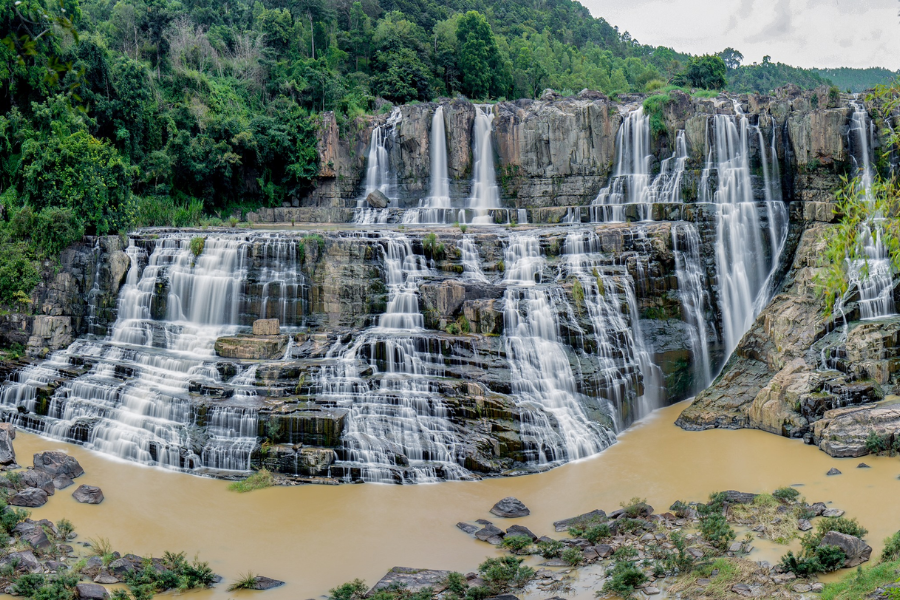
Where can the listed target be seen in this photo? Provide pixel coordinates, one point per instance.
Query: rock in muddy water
(266, 327)
(7, 452)
(734, 497)
(818, 508)
(412, 580)
(265, 583)
(520, 530)
(510, 508)
(488, 532)
(856, 550)
(595, 516)
(29, 498)
(58, 463)
(37, 539)
(833, 512)
(804, 525)
(863, 466)
(651, 591)
(377, 199)
(105, 578)
(91, 591)
(833, 471)
(39, 479)
(467, 527)
(88, 494)
(61, 482)
(10, 429)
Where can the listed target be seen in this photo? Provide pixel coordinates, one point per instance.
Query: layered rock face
(76, 297)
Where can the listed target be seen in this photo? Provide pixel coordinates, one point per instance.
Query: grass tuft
(259, 480)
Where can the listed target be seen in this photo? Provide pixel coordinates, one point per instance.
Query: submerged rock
(510, 508)
(863, 466)
(265, 583)
(29, 498)
(833, 471)
(467, 527)
(521, 530)
(88, 494)
(58, 463)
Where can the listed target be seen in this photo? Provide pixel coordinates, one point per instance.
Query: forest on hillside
(119, 113)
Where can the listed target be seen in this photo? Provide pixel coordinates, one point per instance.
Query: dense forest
(166, 112)
(858, 80)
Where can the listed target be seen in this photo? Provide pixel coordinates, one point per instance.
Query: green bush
(839, 524)
(550, 549)
(573, 556)
(500, 574)
(786, 494)
(197, 245)
(623, 579)
(353, 590)
(259, 480)
(891, 549)
(516, 543)
(876, 444)
(822, 559)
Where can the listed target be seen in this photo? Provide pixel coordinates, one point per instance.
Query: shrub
(28, 584)
(596, 533)
(259, 480)
(550, 549)
(244, 582)
(623, 579)
(65, 528)
(876, 444)
(463, 323)
(891, 548)
(516, 543)
(457, 585)
(573, 556)
(197, 245)
(179, 574)
(577, 291)
(500, 574)
(680, 509)
(823, 559)
(716, 530)
(353, 590)
(786, 494)
(100, 546)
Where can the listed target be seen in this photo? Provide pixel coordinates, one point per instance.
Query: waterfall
(624, 362)
(403, 272)
(745, 256)
(379, 175)
(631, 180)
(873, 275)
(554, 425)
(694, 299)
(439, 197)
(134, 400)
(471, 260)
(485, 193)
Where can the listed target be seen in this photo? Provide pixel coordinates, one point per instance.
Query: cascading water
(624, 362)
(134, 398)
(554, 425)
(694, 299)
(379, 175)
(631, 180)
(873, 275)
(746, 255)
(471, 260)
(436, 206)
(485, 193)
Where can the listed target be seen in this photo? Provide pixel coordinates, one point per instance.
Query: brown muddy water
(317, 537)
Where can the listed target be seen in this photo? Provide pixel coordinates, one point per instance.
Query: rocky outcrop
(78, 295)
(251, 347)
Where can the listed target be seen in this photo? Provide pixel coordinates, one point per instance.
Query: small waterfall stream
(694, 299)
(485, 193)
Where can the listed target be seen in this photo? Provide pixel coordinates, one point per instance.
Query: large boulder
(88, 494)
(595, 516)
(29, 498)
(265, 583)
(39, 479)
(510, 508)
(22, 561)
(248, 347)
(91, 591)
(58, 463)
(266, 327)
(412, 580)
(377, 199)
(36, 538)
(856, 550)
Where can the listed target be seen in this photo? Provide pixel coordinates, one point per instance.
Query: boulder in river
(29, 498)
(265, 583)
(467, 527)
(61, 482)
(856, 550)
(22, 561)
(489, 532)
(91, 591)
(88, 494)
(520, 530)
(833, 471)
(595, 516)
(58, 463)
(36, 538)
(7, 452)
(39, 479)
(377, 199)
(412, 580)
(510, 508)
(833, 512)
(863, 466)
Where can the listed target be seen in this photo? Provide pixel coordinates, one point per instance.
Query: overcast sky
(804, 33)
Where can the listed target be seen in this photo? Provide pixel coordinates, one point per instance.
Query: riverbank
(317, 537)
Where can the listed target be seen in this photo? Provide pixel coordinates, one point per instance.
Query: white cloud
(805, 33)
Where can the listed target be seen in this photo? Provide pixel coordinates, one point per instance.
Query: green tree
(707, 72)
(478, 57)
